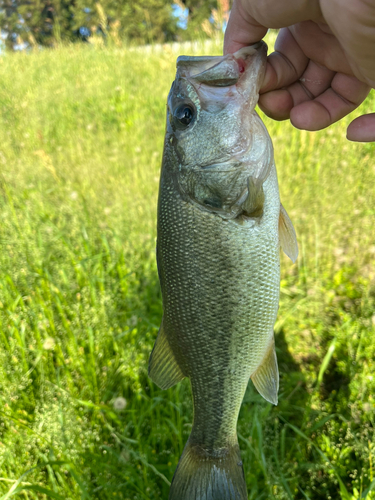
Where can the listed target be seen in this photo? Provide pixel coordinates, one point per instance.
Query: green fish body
(220, 226)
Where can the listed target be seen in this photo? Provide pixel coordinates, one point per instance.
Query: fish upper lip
(258, 45)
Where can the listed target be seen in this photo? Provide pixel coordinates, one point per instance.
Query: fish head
(210, 103)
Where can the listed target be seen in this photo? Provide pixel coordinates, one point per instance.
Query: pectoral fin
(253, 204)
(266, 377)
(287, 235)
(163, 368)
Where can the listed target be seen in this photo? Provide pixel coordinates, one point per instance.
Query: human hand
(323, 66)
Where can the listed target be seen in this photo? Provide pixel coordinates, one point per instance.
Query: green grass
(81, 141)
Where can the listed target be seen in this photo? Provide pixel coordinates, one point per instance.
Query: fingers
(276, 104)
(295, 47)
(298, 87)
(314, 81)
(316, 104)
(362, 129)
(321, 46)
(320, 71)
(344, 95)
(312, 95)
(286, 64)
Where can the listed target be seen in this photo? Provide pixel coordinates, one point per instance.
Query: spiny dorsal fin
(163, 368)
(287, 235)
(253, 205)
(266, 377)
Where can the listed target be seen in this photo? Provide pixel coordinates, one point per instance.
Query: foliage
(145, 21)
(82, 136)
(43, 22)
(198, 14)
(40, 22)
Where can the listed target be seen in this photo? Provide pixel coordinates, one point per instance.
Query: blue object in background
(182, 15)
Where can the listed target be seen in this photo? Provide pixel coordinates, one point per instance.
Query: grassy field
(81, 141)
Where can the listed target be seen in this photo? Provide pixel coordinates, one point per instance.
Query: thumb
(242, 29)
(250, 19)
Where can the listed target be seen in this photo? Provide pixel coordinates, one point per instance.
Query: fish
(219, 230)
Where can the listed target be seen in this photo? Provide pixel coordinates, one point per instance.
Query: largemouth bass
(220, 227)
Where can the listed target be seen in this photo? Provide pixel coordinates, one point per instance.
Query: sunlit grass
(81, 142)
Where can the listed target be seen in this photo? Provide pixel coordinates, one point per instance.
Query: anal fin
(163, 368)
(287, 235)
(266, 377)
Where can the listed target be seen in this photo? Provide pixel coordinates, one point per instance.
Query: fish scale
(220, 223)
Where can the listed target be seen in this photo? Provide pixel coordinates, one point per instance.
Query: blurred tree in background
(36, 22)
(144, 21)
(204, 17)
(27, 23)
(197, 12)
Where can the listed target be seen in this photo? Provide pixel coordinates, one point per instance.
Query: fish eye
(183, 115)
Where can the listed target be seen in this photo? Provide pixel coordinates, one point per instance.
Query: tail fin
(203, 476)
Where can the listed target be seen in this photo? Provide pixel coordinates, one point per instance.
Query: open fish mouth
(217, 81)
(221, 71)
